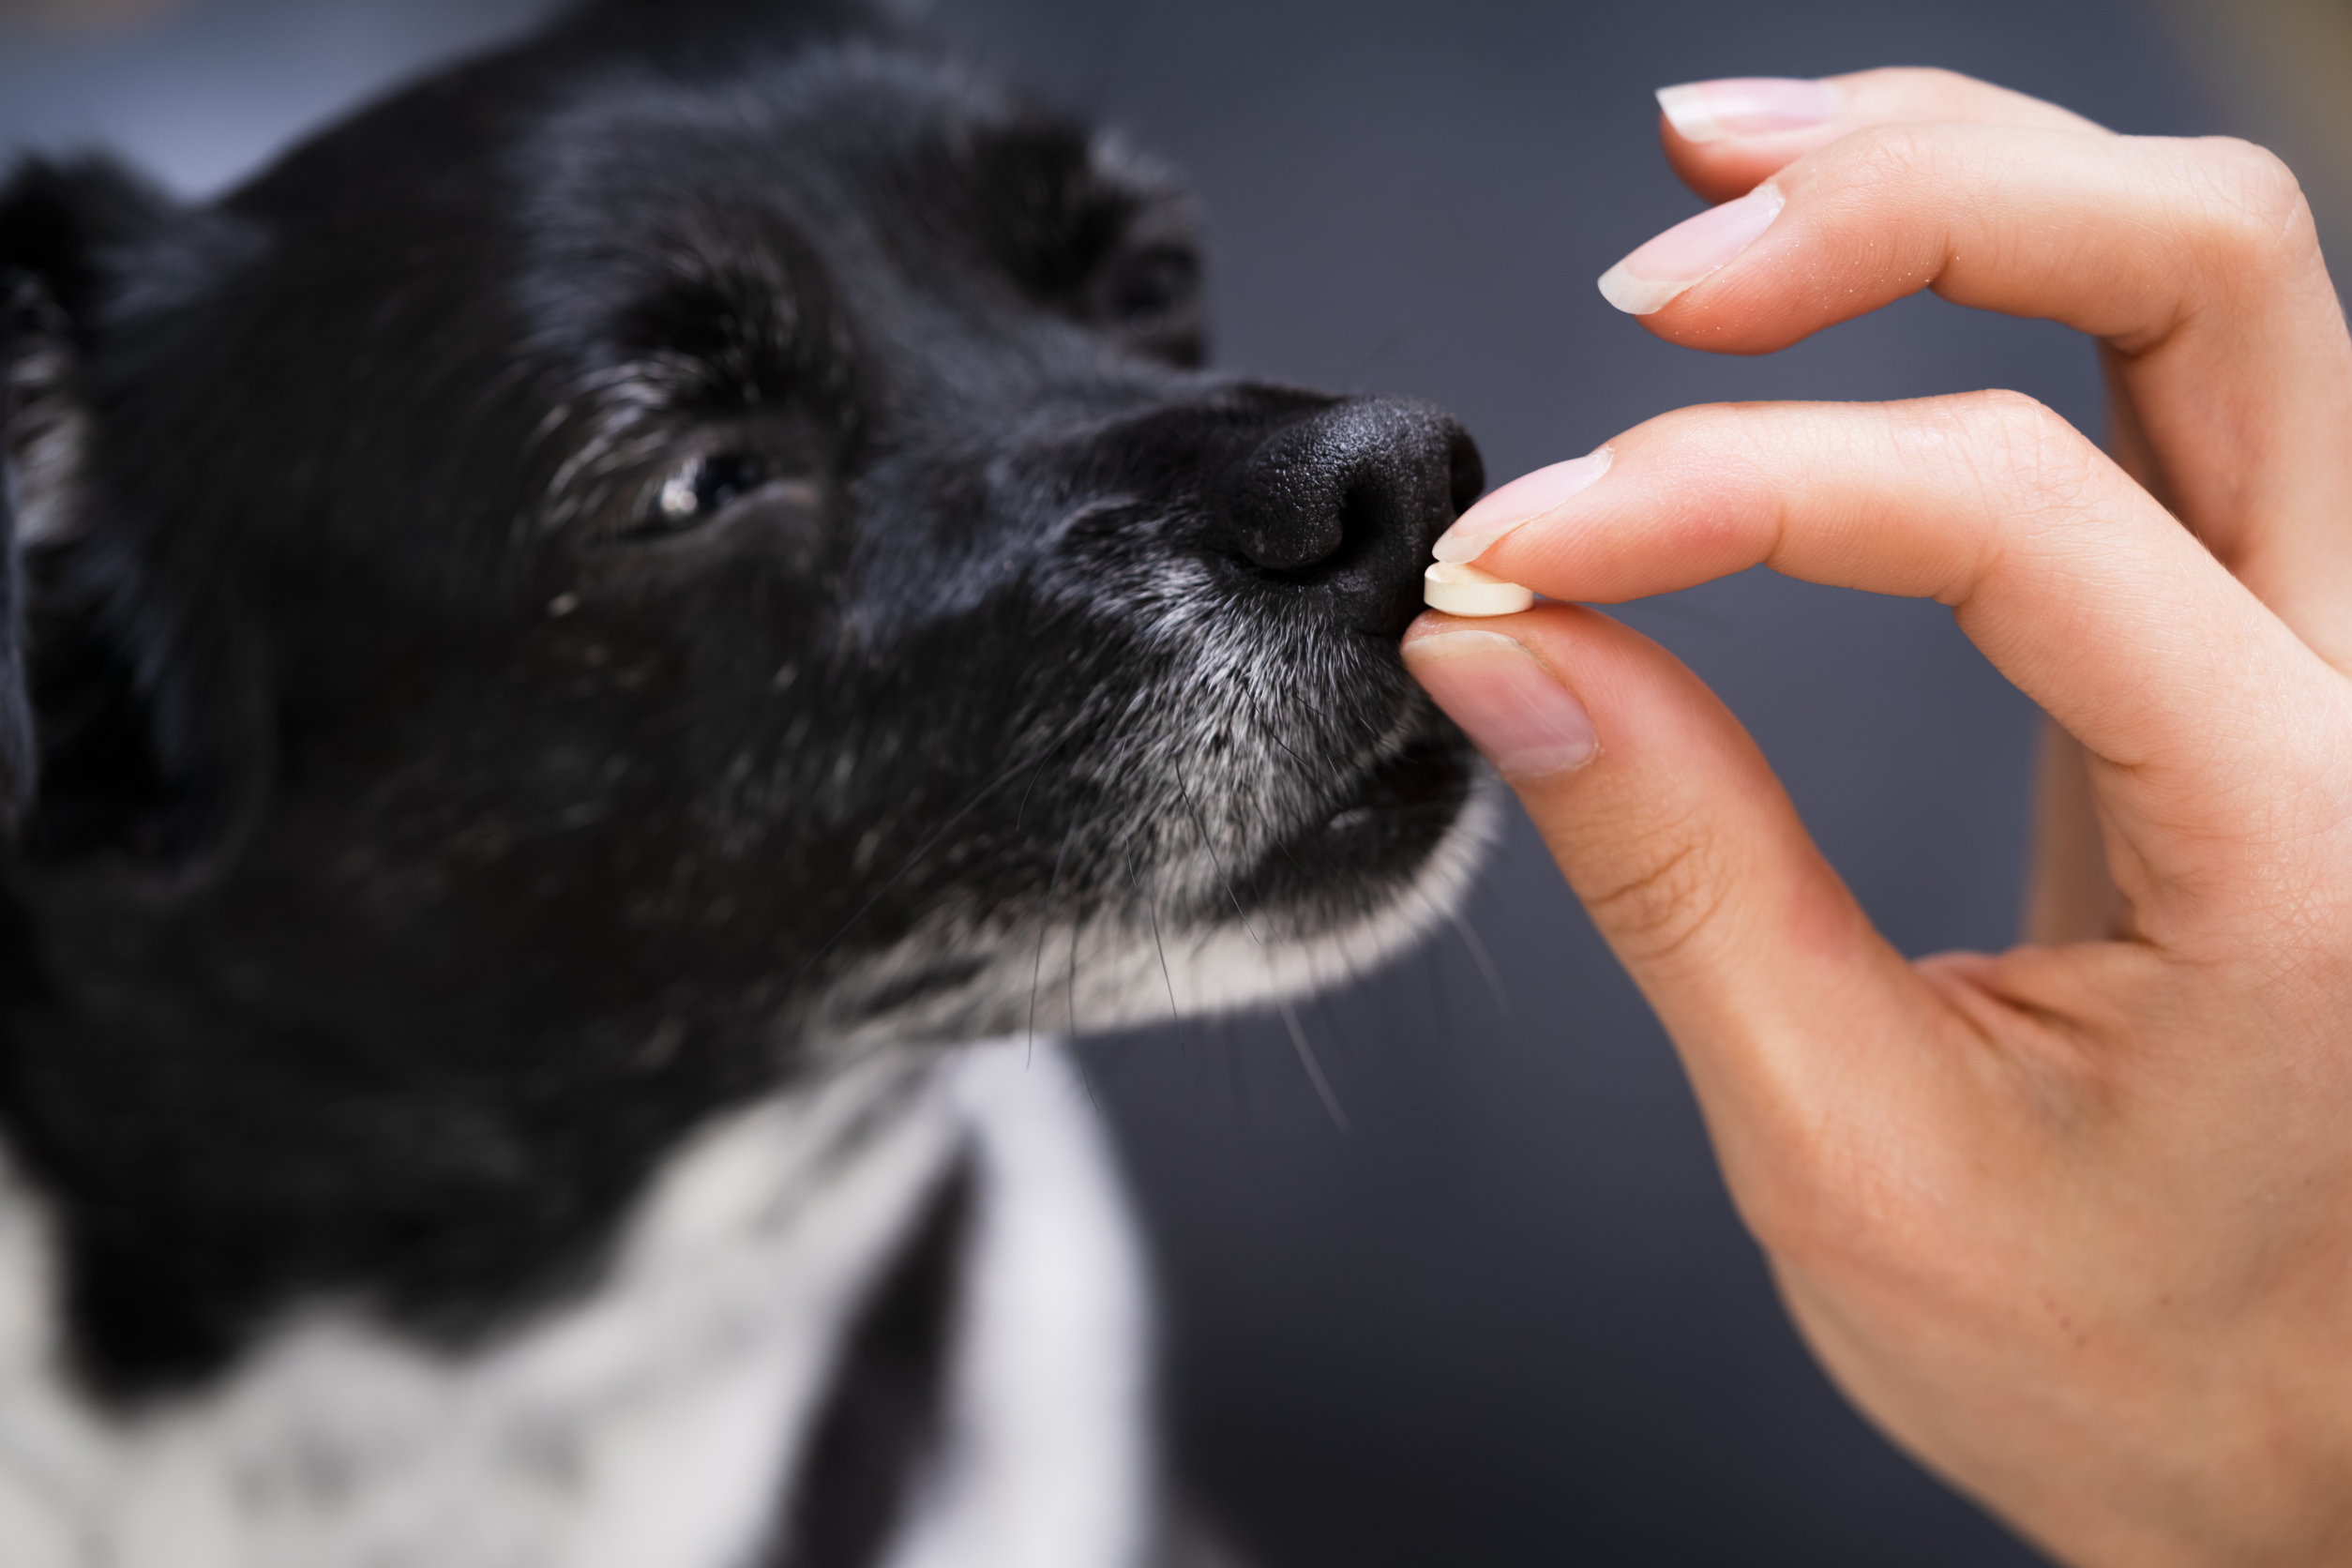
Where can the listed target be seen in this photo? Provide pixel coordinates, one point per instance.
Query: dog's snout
(1350, 500)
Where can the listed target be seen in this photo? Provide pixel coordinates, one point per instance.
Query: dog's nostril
(1358, 482)
(1296, 531)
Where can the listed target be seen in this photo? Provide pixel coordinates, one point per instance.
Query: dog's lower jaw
(1039, 971)
(657, 1420)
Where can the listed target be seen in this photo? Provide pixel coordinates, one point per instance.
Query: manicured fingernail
(1508, 703)
(1747, 106)
(1517, 504)
(1689, 252)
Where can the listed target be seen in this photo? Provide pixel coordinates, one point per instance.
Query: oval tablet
(1464, 590)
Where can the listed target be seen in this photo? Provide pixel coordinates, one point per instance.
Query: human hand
(2074, 1222)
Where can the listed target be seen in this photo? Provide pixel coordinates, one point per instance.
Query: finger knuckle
(2029, 458)
(2247, 202)
(1886, 159)
(2015, 417)
(1671, 887)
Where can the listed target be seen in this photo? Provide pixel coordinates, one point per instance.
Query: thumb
(1688, 855)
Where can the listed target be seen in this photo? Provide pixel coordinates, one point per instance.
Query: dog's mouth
(1428, 774)
(1379, 829)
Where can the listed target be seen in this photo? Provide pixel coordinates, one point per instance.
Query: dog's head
(710, 498)
(697, 544)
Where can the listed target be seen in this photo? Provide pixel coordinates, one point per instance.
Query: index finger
(2075, 583)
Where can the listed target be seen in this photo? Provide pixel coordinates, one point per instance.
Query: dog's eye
(700, 491)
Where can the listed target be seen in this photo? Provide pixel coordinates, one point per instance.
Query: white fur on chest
(655, 1422)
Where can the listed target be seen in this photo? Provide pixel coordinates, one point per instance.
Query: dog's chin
(1337, 896)
(1354, 858)
(1343, 893)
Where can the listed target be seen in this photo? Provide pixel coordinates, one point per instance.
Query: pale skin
(2071, 1223)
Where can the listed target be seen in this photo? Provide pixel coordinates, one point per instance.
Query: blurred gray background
(1510, 1319)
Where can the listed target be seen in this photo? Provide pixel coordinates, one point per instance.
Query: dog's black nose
(1349, 499)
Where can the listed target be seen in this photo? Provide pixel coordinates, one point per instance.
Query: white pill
(1464, 590)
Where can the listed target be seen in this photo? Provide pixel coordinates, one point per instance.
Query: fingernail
(1747, 106)
(1689, 252)
(1517, 504)
(1509, 704)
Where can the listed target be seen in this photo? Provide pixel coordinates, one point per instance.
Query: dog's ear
(99, 702)
(25, 316)
(57, 221)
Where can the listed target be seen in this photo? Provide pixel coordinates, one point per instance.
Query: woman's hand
(2072, 1223)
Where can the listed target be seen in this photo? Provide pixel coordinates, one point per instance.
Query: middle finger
(2195, 261)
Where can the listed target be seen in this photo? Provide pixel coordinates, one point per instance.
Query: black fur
(439, 824)
(22, 305)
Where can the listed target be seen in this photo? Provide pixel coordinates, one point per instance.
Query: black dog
(563, 644)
